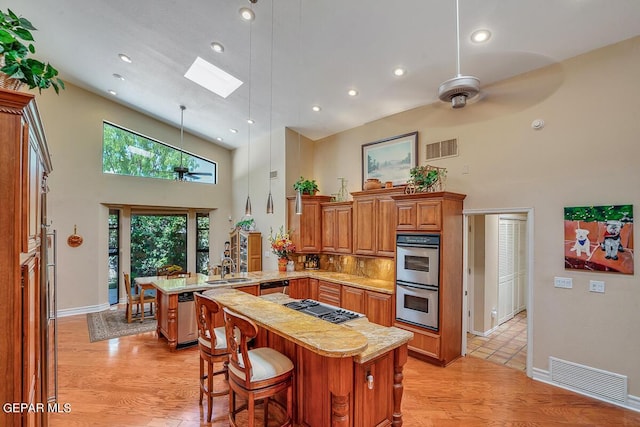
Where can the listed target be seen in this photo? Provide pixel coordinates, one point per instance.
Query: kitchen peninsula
(347, 375)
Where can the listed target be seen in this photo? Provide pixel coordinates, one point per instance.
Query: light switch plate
(563, 282)
(596, 286)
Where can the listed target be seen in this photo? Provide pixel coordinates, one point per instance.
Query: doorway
(497, 287)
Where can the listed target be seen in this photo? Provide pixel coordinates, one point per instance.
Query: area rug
(109, 324)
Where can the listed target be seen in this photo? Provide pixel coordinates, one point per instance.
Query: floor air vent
(588, 380)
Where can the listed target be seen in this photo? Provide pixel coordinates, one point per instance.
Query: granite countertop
(200, 281)
(358, 338)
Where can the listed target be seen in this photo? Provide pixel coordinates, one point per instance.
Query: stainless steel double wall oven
(417, 279)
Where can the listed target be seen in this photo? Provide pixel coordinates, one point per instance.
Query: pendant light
(247, 206)
(270, 198)
(298, 203)
(181, 170)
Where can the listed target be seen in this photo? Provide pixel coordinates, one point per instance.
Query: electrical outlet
(563, 282)
(596, 286)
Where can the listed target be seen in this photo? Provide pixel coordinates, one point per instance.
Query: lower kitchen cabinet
(377, 306)
(374, 383)
(299, 288)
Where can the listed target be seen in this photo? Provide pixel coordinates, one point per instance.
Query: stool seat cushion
(266, 363)
(221, 339)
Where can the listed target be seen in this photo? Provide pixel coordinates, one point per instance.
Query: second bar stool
(212, 343)
(256, 374)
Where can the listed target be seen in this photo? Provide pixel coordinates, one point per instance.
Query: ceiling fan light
(461, 88)
(458, 101)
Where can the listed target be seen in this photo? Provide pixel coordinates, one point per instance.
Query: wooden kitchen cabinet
(306, 229)
(337, 227)
(246, 250)
(299, 288)
(438, 213)
(377, 306)
(374, 222)
(25, 298)
(329, 293)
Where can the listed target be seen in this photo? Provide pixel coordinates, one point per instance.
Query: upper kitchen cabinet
(425, 211)
(306, 229)
(374, 222)
(337, 227)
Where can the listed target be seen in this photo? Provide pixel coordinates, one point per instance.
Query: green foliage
(17, 63)
(306, 186)
(119, 157)
(246, 223)
(157, 240)
(423, 177)
(622, 213)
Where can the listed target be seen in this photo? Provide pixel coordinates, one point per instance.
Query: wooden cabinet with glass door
(246, 250)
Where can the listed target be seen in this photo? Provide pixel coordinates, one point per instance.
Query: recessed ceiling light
(217, 47)
(232, 130)
(250, 121)
(352, 92)
(316, 108)
(220, 139)
(247, 14)
(118, 76)
(125, 58)
(212, 78)
(112, 92)
(399, 71)
(480, 36)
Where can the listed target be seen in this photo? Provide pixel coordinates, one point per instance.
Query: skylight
(212, 78)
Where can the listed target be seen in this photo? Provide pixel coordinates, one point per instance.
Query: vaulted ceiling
(308, 53)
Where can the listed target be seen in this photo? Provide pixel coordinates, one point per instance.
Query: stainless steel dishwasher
(187, 326)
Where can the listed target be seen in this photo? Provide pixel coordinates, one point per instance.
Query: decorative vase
(282, 264)
(372, 184)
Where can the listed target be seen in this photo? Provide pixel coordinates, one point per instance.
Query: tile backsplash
(374, 268)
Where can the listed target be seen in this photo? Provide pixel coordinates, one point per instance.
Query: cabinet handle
(370, 381)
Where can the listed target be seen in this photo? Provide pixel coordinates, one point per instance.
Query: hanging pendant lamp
(270, 198)
(247, 205)
(298, 203)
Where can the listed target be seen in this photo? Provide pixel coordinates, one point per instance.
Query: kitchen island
(346, 375)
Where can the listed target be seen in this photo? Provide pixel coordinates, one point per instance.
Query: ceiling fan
(181, 170)
(460, 88)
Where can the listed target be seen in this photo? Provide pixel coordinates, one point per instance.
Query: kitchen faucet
(227, 261)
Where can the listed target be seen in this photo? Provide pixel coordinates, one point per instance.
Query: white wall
(587, 154)
(80, 191)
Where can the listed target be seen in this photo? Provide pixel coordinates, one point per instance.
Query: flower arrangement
(281, 244)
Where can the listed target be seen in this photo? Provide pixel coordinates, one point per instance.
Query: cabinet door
(255, 252)
(343, 241)
(374, 387)
(429, 215)
(386, 226)
(379, 308)
(299, 288)
(406, 216)
(364, 218)
(353, 299)
(31, 334)
(329, 228)
(314, 284)
(251, 289)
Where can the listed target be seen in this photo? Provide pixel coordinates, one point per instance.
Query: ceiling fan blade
(200, 173)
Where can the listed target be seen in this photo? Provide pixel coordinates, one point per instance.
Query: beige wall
(587, 154)
(80, 191)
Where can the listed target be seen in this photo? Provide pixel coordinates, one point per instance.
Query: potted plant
(425, 178)
(306, 186)
(247, 224)
(14, 56)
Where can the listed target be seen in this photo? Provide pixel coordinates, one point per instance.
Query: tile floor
(507, 345)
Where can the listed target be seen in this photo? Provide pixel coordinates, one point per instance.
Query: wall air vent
(587, 380)
(442, 149)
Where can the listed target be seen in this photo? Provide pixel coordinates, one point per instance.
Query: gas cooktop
(323, 311)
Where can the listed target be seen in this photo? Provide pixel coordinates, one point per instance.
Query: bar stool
(256, 374)
(212, 343)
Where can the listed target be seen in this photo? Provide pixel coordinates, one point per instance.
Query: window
(157, 240)
(128, 153)
(114, 254)
(202, 243)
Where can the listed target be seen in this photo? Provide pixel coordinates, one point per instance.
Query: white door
(507, 274)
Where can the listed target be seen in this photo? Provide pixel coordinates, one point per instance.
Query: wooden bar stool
(212, 344)
(256, 374)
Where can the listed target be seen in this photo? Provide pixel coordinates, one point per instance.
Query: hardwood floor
(136, 381)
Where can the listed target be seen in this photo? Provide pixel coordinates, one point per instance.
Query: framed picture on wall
(390, 159)
(599, 238)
